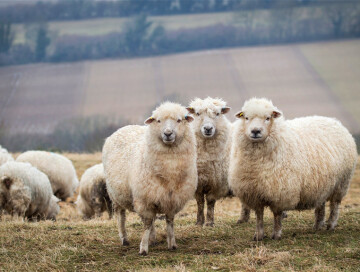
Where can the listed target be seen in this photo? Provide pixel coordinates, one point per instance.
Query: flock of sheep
(182, 153)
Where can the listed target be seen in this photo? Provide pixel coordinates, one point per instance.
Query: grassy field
(301, 79)
(103, 26)
(71, 244)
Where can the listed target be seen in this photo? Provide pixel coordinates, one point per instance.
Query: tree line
(141, 37)
(88, 9)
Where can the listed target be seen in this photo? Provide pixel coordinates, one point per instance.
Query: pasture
(302, 79)
(71, 244)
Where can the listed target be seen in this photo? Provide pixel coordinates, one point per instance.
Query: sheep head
(258, 117)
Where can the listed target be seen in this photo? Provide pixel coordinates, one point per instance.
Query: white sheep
(5, 156)
(93, 198)
(213, 137)
(152, 170)
(290, 165)
(26, 192)
(58, 168)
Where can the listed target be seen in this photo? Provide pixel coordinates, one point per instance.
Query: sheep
(25, 192)
(58, 168)
(213, 137)
(5, 156)
(152, 170)
(290, 164)
(93, 198)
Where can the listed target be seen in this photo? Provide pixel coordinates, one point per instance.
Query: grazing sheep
(5, 156)
(26, 192)
(213, 137)
(93, 198)
(58, 168)
(290, 165)
(152, 170)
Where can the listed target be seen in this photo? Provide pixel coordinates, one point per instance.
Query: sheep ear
(7, 182)
(191, 110)
(225, 110)
(276, 114)
(239, 114)
(149, 120)
(189, 118)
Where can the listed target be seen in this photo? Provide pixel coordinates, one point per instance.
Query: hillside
(301, 79)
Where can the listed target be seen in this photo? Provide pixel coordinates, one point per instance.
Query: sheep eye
(179, 120)
(197, 114)
(246, 118)
(158, 121)
(217, 114)
(268, 119)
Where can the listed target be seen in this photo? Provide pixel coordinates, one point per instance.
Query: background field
(101, 26)
(301, 79)
(71, 244)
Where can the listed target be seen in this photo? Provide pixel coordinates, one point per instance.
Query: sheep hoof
(241, 221)
(143, 253)
(330, 226)
(125, 243)
(198, 223)
(173, 247)
(319, 226)
(258, 238)
(209, 224)
(276, 237)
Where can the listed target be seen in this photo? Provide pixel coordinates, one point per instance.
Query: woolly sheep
(26, 192)
(213, 137)
(93, 198)
(5, 156)
(290, 165)
(152, 170)
(58, 168)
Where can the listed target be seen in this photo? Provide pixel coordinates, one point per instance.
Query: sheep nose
(255, 131)
(168, 133)
(208, 129)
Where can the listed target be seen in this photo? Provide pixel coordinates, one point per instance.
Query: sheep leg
(245, 214)
(144, 245)
(200, 213)
(278, 216)
(334, 214)
(259, 235)
(109, 209)
(170, 232)
(210, 213)
(319, 217)
(153, 234)
(121, 219)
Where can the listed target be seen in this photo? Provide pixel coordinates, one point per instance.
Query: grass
(101, 26)
(71, 244)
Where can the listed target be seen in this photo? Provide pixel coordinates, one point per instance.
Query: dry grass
(71, 244)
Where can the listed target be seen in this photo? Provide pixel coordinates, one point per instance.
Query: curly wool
(303, 162)
(143, 174)
(29, 193)
(5, 156)
(93, 198)
(58, 168)
(212, 154)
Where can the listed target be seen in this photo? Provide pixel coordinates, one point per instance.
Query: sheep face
(169, 123)
(258, 117)
(209, 114)
(5, 183)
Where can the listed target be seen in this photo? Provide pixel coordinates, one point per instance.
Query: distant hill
(301, 79)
